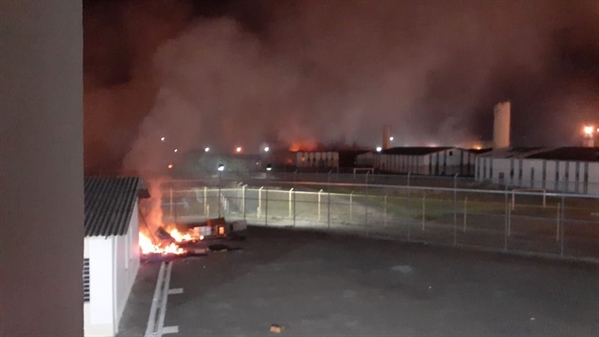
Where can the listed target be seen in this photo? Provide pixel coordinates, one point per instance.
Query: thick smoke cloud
(330, 71)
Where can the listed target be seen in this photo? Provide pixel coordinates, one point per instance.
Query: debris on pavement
(276, 328)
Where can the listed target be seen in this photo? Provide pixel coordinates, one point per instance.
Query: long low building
(570, 169)
(422, 160)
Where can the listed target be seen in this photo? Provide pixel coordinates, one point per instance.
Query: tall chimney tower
(386, 138)
(501, 125)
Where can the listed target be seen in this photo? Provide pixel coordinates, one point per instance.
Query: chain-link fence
(508, 219)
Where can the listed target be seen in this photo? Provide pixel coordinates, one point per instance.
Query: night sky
(246, 73)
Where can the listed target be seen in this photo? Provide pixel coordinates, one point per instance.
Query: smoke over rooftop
(233, 73)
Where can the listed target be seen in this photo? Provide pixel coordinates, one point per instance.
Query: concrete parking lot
(317, 284)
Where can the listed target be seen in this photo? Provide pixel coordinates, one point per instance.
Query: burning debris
(176, 240)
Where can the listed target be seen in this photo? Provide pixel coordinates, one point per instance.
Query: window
(85, 280)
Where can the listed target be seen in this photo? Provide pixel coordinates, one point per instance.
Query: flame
(180, 237)
(147, 247)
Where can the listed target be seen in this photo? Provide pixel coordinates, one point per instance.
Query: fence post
(329, 201)
(319, 192)
(266, 208)
(513, 206)
(206, 201)
(544, 198)
(294, 211)
(366, 202)
(455, 209)
(350, 206)
(423, 211)
(208, 211)
(385, 212)
(562, 214)
(243, 200)
(171, 203)
(290, 194)
(506, 206)
(557, 222)
(259, 209)
(465, 213)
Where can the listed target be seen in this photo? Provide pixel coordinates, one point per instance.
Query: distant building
(111, 250)
(327, 159)
(571, 169)
(422, 160)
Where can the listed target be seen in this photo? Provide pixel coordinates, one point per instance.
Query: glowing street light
(379, 149)
(266, 149)
(221, 167)
(162, 139)
(588, 130)
(206, 149)
(176, 150)
(391, 138)
(238, 149)
(170, 166)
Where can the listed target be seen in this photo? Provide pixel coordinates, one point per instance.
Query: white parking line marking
(155, 302)
(175, 291)
(170, 329)
(167, 281)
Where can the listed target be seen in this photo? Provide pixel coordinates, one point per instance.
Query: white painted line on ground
(155, 302)
(175, 291)
(167, 281)
(170, 329)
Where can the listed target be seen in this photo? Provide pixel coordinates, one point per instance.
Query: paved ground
(333, 285)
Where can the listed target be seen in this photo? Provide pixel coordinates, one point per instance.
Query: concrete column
(41, 168)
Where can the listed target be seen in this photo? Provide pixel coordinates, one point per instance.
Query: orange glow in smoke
(303, 145)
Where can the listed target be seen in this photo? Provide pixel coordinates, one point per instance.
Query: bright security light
(162, 139)
(206, 149)
(266, 149)
(379, 149)
(176, 150)
(268, 167)
(170, 166)
(238, 149)
(221, 167)
(588, 130)
(391, 138)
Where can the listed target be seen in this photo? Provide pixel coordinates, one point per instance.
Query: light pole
(220, 169)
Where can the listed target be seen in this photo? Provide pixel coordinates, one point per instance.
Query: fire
(147, 247)
(180, 237)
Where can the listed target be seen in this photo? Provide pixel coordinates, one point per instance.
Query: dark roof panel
(109, 204)
(415, 151)
(569, 153)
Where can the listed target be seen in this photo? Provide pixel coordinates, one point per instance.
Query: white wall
(118, 256)
(566, 171)
(98, 312)
(127, 264)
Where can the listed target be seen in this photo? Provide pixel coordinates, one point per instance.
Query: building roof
(548, 153)
(415, 151)
(109, 204)
(569, 153)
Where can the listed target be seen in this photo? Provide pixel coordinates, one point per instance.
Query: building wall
(41, 168)
(446, 162)
(316, 159)
(127, 264)
(99, 311)
(116, 256)
(556, 175)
